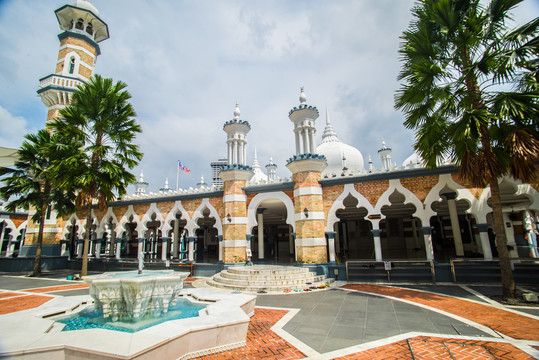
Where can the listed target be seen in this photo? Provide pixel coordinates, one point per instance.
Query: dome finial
(329, 134)
(237, 111)
(255, 161)
(302, 97)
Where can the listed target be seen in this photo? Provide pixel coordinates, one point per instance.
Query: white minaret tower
(166, 188)
(304, 118)
(202, 183)
(141, 185)
(385, 156)
(82, 30)
(236, 130)
(271, 170)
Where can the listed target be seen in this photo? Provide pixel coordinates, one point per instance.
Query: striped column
(235, 215)
(311, 244)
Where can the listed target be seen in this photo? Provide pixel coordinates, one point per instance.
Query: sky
(187, 63)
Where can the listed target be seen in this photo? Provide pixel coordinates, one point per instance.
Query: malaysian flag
(183, 168)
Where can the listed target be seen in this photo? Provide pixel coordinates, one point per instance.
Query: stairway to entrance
(268, 278)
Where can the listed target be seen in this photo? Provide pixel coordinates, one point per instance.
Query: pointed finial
(166, 183)
(383, 144)
(328, 122)
(329, 134)
(237, 112)
(302, 97)
(141, 178)
(256, 165)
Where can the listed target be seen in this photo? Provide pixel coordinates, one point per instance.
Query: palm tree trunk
(37, 260)
(84, 269)
(508, 281)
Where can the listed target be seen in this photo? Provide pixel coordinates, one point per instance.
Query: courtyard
(349, 320)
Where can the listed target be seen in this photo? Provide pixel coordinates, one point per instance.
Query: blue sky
(186, 63)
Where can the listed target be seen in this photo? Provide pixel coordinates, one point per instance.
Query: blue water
(89, 318)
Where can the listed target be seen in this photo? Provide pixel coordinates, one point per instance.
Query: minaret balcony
(59, 82)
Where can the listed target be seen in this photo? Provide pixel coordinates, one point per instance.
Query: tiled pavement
(363, 321)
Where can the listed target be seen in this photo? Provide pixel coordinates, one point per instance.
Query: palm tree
(470, 91)
(32, 183)
(100, 120)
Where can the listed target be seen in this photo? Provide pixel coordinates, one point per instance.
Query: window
(80, 24)
(72, 65)
(90, 29)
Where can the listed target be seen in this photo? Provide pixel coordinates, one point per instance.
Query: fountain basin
(130, 296)
(34, 334)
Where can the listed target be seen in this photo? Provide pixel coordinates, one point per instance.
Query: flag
(183, 168)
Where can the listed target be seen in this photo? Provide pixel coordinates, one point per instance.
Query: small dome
(413, 160)
(87, 5)
(338, 154)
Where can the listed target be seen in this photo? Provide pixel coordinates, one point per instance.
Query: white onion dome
(86, 5)
(338, 154)
(413, 161)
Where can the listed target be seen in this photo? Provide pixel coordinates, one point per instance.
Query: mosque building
(333, 207)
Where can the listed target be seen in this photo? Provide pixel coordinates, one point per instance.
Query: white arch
(178, 207)
(277, 195)
(409, 198)
(120, 228)
(21, 227)
(83, 224)
(65, 232)
(445, 180)
(104, 222)
(148, 217)
(521, 189)
(67, 60)
(192, 223)
(349, 189)
(9, 225)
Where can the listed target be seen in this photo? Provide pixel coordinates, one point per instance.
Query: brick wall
(372, 190)
(420, 186)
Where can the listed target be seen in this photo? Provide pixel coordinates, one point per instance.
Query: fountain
(135, 295)
(135, 307)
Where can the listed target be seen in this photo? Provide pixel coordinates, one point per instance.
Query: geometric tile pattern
(262, 343)
(505, 322)
(429, 348)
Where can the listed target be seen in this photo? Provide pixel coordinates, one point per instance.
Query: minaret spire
(329, 134)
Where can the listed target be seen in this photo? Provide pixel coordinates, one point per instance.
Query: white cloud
(186, 63)
(12, 129)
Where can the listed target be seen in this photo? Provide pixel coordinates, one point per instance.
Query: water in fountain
(90, 318)
(134, 297)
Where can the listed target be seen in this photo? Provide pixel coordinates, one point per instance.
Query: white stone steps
(267, 278)
(268, 282)
(298, 276)
(267, 289)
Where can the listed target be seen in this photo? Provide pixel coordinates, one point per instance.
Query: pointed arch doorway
(271, 238)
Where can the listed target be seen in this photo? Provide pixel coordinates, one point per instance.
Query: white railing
(62, 81)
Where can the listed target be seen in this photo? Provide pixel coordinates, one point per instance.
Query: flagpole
(177, 175)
